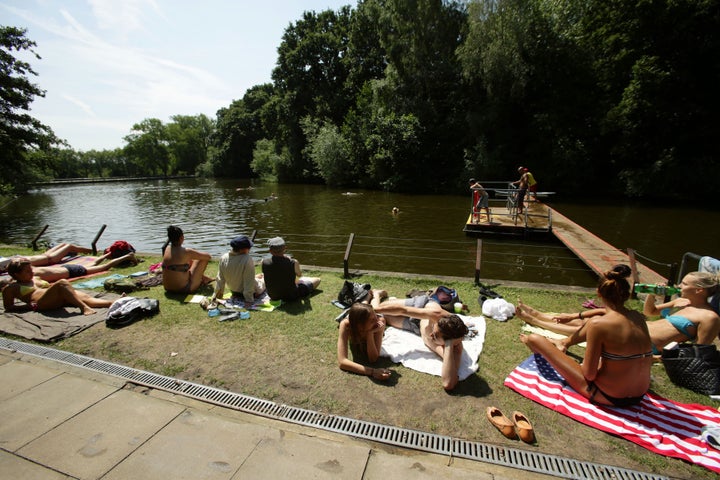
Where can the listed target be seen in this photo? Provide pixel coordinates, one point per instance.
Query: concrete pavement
(65, 422)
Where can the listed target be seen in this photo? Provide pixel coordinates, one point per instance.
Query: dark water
(425, 237)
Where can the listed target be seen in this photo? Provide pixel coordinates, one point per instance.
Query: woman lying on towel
(694, 320)
(53, 273)
(38, 295)
(618, 357)
(50, 257)
(362, 331)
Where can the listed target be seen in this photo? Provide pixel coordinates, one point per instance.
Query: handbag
(353, 292)
(696, 367)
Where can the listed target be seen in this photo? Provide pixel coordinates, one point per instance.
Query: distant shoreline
(63, 181)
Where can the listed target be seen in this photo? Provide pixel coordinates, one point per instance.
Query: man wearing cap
(237, 271)
(283, 276)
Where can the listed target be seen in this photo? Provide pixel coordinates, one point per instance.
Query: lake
(424, 237)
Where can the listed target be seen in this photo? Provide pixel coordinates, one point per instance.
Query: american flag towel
(658, 424)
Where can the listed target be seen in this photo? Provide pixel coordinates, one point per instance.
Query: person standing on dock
(522, 185)
(480, 201)
(532, 183)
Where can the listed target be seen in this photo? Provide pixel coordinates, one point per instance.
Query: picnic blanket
(51, 325)
(658, 424)
(410, 350)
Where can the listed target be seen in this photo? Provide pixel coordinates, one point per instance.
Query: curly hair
(16, 266)
(613, 286)
(452, 327)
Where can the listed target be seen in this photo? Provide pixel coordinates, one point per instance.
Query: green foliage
(20, 133)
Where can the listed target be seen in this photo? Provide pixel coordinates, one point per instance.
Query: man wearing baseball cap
(283, 275)
(237, 270)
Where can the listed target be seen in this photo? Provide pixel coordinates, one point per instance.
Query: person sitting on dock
(39, 295)
(183, 268)
(618, 358)
(441, 331)
(480, 199)
(694, 320)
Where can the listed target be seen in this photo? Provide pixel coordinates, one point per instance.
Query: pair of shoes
(519, 426)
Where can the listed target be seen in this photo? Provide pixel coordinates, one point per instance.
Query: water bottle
(656, 289)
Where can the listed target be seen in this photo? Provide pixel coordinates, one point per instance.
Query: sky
(109, 64)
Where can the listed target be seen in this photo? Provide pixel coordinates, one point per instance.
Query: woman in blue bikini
(694, 321)
(183, 268)
(618, 357)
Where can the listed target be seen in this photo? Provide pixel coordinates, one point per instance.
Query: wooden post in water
(633, 269)
(253, 235)
(94, 242)
(478, 256)
(34, 242)
(346, 258)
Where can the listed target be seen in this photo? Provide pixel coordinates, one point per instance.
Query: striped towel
(658, 424)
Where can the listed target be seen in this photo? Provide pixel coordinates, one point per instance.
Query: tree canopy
(419, 95)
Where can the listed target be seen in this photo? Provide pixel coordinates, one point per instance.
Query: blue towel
(96, 282)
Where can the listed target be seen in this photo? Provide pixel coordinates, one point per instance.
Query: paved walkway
(59, 421)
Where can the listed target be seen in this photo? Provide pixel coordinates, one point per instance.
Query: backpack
(119, 248)
(122, 285)
(353, 292)
(127, 310)
(445, 296)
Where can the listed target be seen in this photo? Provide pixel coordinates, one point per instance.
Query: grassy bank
(288, 356)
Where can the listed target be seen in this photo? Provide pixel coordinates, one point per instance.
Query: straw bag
(696, 367)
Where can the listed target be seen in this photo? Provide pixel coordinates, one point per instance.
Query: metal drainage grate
(401, 437)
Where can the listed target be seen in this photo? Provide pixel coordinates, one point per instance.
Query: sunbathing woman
(362, 330)
(618, 358)
(54, 273)
(52, 255)
(183, 268)
(39, 295)
(694, 321)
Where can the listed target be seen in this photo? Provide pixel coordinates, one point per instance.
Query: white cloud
(83, 106)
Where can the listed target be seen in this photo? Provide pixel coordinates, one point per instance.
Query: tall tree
(188, 142)
(148, 147)
(19, 132)
(309, 80)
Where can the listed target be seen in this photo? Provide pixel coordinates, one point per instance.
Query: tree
(188, 142)
(19, 132)
(148, 147)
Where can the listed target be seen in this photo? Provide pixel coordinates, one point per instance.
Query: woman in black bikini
(183, 268)
(618, 357)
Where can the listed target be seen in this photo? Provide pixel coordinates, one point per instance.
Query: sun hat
(238, 243)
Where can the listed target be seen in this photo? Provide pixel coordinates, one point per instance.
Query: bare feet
(560, 344)
(525, 313)
(88, 311)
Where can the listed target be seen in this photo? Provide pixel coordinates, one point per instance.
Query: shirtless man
(53, 273)
(441, 331)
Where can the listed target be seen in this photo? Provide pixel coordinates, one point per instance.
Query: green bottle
(656, 289)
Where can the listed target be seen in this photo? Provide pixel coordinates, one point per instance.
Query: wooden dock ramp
(597, 254)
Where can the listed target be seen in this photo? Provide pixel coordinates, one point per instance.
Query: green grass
(289, 356)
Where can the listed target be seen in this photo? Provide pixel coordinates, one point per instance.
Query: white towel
(410, 350)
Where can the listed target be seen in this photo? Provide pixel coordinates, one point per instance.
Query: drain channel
(401, 437)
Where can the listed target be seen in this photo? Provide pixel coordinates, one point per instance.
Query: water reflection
(425, 237)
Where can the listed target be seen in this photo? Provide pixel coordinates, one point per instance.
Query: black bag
(353, 292)
(445, 296)
(127, 310)
(696, 367)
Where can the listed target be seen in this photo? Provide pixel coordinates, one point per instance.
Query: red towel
(658, 424)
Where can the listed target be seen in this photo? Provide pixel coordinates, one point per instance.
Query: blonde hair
(708, 281)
